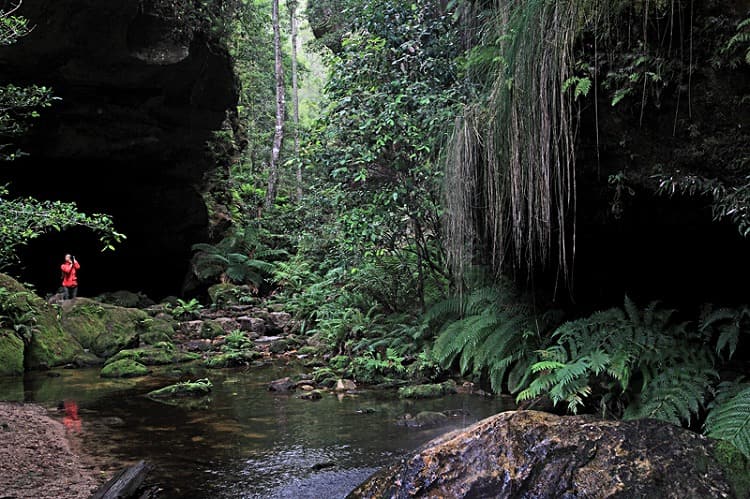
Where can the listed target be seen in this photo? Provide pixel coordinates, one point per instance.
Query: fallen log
(125, 483)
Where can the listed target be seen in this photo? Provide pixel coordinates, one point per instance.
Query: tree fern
(240, 257)
(729, 415)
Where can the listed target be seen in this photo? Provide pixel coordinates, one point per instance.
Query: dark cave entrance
(667, 249)
(162, 218)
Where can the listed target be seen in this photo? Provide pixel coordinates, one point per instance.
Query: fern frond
(459, 335)
(632, 311)
(546, 365)
(730, 421)
(674, 395)
(718, 315)
(519, 374)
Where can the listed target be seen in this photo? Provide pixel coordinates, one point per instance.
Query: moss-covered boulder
(158, 330)
(11, 353)
(104, 329)
(48, 344)
(124, 368)
(210, 329)
(197, 388)
(232, 359)
(156, 355)
(431, 390)
(519, 454)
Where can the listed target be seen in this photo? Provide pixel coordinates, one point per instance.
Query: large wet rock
(530, 454)
(106, 329)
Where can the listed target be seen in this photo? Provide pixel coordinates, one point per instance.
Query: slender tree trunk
(278, 136)
(292, 7)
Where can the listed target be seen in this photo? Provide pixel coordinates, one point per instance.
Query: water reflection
(243, 441)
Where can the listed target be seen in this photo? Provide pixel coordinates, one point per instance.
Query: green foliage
(512, 149)
(729, 415)
(184, 310)
(376, 367)
(488, 331)
(728, 202)
(726, 325)
(238, 258)
(25, 219)
(675, 393)
(737, 49)
(210, 17)
(626, 362)
(238, 340)
(12, 27)
(18, 107)
(17, 314)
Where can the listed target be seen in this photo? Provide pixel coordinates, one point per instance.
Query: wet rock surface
(530, 454)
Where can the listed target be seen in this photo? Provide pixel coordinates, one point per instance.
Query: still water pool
(246, 441)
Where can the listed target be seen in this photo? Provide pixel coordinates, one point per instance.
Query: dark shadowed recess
(141, 95)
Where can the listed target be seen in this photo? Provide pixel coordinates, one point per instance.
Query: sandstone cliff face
(141, 94)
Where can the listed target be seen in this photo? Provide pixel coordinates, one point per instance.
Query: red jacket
(70, 279)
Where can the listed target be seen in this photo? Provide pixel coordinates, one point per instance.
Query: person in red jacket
(70, 277)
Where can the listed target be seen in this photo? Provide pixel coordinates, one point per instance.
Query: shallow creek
(247, 441)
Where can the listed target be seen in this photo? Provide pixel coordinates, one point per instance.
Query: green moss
(210, 329)
(157, 330)
(736, 466)
(428, 390)
(224, 294)
(197, 388)
(325, 377)
(124, 368)
(308, 350)
(49, 344)
(11, 353)
(154, 356)
(104, 329)
(339, 362)
(232, 359)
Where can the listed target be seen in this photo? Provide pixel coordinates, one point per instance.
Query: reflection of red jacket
(70, 279)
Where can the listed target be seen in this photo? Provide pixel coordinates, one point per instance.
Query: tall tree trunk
(292, 7)
(278, 136)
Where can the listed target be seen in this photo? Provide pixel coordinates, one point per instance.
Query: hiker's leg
(74, 291)
(66, 293)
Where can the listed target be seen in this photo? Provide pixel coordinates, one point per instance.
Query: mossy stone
(104, 329)
(157, 330)
(432, 390)
(232, 359)
(154, 356)
(11, 353)
(50, 344)
(197, 388)
(210, 329)
(124, 368)
(736, 467)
